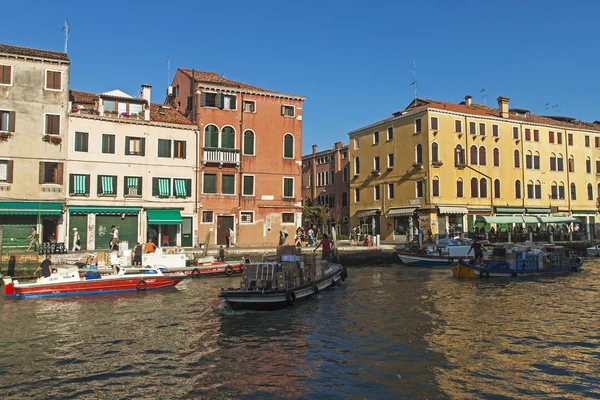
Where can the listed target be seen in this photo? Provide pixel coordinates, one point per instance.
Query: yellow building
(441, 165)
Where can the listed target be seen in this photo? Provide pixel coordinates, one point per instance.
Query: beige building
(34, 99)
(131, 164)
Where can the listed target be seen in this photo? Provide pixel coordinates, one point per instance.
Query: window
(51, 172)
(164, 148)
(561, 191)
(571, 164)
(483, 188)
(5, 75)
(573, 191)
(517, 157)
(587, 141)
(135, 146)
(390, 160)
(376, 137)
(211, 136)
(570, 139)
(434, 123)
(419, 154)
(53, 80)
(133, 186)
(560, 165)
(344, 155)
(597, 166)
(529, 160)
(209, 183)
(356, 143)
(376, 194)
(248, 185)
(246, 217)
(473, 155)
(472, 128)
(497, 193)
(435, 187)
(536, 160)
(7, 121)
(482, 156)
(459, 155)
(459, 188)
(554, 191)
(590, 191)
(287, 218)
(345, 174)
(474, 188)
(108, 144)
(161, 187)
(52, 124)
(559, 137)
(552, 162)
(182, 187)
(356, 166)
(418, 125)
(288, 187)
(597, 141)
(376, 163)
(538, 190)
(390, 133)
(179, 149)
(6, 169)
(206, 100)
(79, 185)
(457, 126)
(288, 146)
(248, 143)
(496, 157)
(344, 199)
(588, 165)
(229, 102)
(390, 190)
(107, 185)
(495, 130)
(516, 132)
(435, 153)
(288, 111)
(357, 195)
(227, 138)
(81, 141)
(249, 106)
(419, 185)
(207, 217)
(517, 189)
(482, 129)
(536, 135)
(227, 184)
(530, 190)
(550, 137)
(332, 175)
(527, 134)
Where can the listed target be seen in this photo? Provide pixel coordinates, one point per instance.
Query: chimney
(314, 149)
(146, 96)
(468, 100)
(503, 106)
(338, 145)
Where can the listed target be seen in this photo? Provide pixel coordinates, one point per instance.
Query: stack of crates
(530, 261)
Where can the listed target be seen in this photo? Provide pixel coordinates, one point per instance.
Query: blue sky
(353, 60)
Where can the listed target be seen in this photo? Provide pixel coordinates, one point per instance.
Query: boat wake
(227, 312)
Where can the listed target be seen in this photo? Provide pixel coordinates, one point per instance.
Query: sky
(352, 60)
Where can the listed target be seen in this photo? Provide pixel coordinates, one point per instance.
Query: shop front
(167, 223)
(94, 224)
(451, 219)
(584, 227)
(17, 219)
(369, 221)
(403, 222)
(477, 223)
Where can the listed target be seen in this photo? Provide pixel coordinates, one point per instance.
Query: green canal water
(389, 332)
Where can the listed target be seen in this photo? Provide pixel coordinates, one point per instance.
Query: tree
(316, 215)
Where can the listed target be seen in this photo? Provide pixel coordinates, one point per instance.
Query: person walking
(327, 246)
(283, 236)
(231, 236)
(34, 239)
(76, 240)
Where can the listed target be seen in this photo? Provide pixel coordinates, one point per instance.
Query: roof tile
(28, 52)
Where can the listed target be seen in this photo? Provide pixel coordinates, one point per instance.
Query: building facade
(34, 99)
(445, 167)
(250, 155)
(326, 182)
(132, 164)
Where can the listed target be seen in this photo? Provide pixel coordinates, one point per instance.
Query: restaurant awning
(508, 210)
(501, 219)
(453, 210)
(164, 217)
(585, 212)
(559, 220)
(107, 210)
(399, 211)
(367, 212)
(529, 219)
(30, 208)
(538, 210)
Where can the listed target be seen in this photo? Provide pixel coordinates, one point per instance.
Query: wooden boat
(523, 261)
(441, 255)
(67, 282)
(593, 251)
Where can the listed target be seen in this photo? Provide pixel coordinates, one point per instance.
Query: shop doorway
(48, 233)
(223, 225)
(187, 232)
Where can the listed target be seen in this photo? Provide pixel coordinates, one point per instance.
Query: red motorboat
(67, 282)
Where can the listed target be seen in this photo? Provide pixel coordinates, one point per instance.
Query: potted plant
(74, 109)
(94, 112)
(124, 114)
(54, 139)
(4, 136)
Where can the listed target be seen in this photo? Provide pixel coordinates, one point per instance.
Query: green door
(187, 232)
(79, 222)
(128, 230)
(16, 230)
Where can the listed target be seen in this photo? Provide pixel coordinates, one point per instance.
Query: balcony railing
(220, 156)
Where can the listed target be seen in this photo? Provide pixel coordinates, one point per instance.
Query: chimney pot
(468, 100)
(314, 146)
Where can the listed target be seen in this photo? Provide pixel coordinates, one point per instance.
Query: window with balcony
(164, 148)
(7, 121)
(211, 136)
(179, 149)
(6, 75)
(288, 187)
(51, 173)
(107, 185)
(133, 186)
(209, 183)
(79, 185)
(249, 143)
(108, 144)
(227, 138)
(207, 217)
(52, 124)
(161, 187)
(248, 185)
(135, 146)
(459, 188)
(81, 141)
(6, 171)
(419, 154)
(113, 108)
(288, 146)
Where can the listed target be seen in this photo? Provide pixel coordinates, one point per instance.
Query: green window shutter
(164, 148)
(87, 183)
(183, 149)
(127, 140)
(114, 184)
(227, 138)
(220, 101)
(203, 99)
(228, 184)
(125, 186)
(188, 187)
(211, 136)
(209, 183)
(104, 143)
(248, 143)
(288, 187)
(143, 147)
(77, 141)
(71, 183)
(248, 185)
(154, 186)
(288, 149)
(139, 186)
(233, 102)
(99, 184)
(85, 142)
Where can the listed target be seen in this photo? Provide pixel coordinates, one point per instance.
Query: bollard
(588, 235)
(551, 237)
(509, 237)
(437, 239)
(531, 236)
(377, 238)
(420, 239)
(570, 236)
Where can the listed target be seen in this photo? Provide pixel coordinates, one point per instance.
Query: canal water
(389, 332)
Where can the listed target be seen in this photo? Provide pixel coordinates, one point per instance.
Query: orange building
(250, 157)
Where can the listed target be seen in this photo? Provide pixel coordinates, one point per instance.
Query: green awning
(538, 210)
(530, 219)
(585, 212)
(502, 219)
(180, 188)
(30, 208)
(475, 209)
(103, 210)
(559, 220)
(164, 217)
(164, 187)
(505, 210)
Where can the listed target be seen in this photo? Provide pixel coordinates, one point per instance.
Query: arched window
(356, 166)
(517, 189)
(554, 191)
(459, 155)
(561, 191)
(517, 159)
(529, 160)
(571, 164)
(459, 187)
(530, 190)
(560, 165)
(288, 146)
(434, 152)
(536, 160)
(483, 187)
(211, 136)
(419, 154)
(227, 138)
(474, 187)
(332, 175)
(552, 162)
(598, 165)
(482, 156)
(345, 174)
(588, 165)
(496, 157)
(590, 191)
(248, 143)
(573, 191)
(435, 186)
(344, 199)
(497, 193)
(538, 190)
(473, 155)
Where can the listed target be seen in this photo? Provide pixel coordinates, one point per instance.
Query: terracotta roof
(168, 115)
(83, 97)
(25, 51)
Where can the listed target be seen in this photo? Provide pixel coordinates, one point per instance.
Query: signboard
(415, 202)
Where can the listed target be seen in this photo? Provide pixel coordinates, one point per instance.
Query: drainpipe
(523, 167)
(241, 108)
(568, 157)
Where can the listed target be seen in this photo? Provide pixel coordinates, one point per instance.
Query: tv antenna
(414, 80)
(484, 95)
(168, 71)
(556, 107)
(547, 106)
(66, 31)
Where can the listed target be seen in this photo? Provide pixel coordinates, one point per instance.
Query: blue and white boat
(427, 260)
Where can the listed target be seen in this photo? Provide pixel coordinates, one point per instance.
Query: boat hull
(593, 251)
(207, 269)
(418, 260)
(467, 269)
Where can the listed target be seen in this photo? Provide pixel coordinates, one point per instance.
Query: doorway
(223, 225)
(186, 232)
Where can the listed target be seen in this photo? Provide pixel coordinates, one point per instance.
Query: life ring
(141, 285)
(290, 297)
(316, 290)
(578, 260)
(195, 273)
(484, 274)
(228, 270)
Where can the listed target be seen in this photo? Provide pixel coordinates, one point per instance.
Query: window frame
(45, 131)
(139, 187)
(168, 151)
(461, 181)
(518, 189)
(437, 123)
(496, 130)
(419, 187)
(252, 213)
(391, 193)
(376, 137)
(390, 133)
(46, 80)
(253, 102)
(87, 185)
(135, 139)
(84, 143)
(516, 130)
(435, 186)
(253, 143)
(234, 175)
(253, 185)
(420, 127)
(108, 142)
(100, 187)
(180, 145)
(460, 124)
(204, 174)
(357, 195)
(212, 217)
(285, 108)
(12, 76)
(391, 157)
(288, 223)
(376, 192)
(293, 146)
(283, 195)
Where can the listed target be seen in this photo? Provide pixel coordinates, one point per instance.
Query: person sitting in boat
(479, 249)
(327, 245)
(46, 267)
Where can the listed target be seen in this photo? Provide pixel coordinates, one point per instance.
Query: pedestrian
(76, 240)
(137, 254)
(231, 237)
(150, 247)
(298, 237)
(283, 236)
(327, 246)
(114, 243)
(222, 252)
(311, 237)
(45, 266)
(34, 239)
